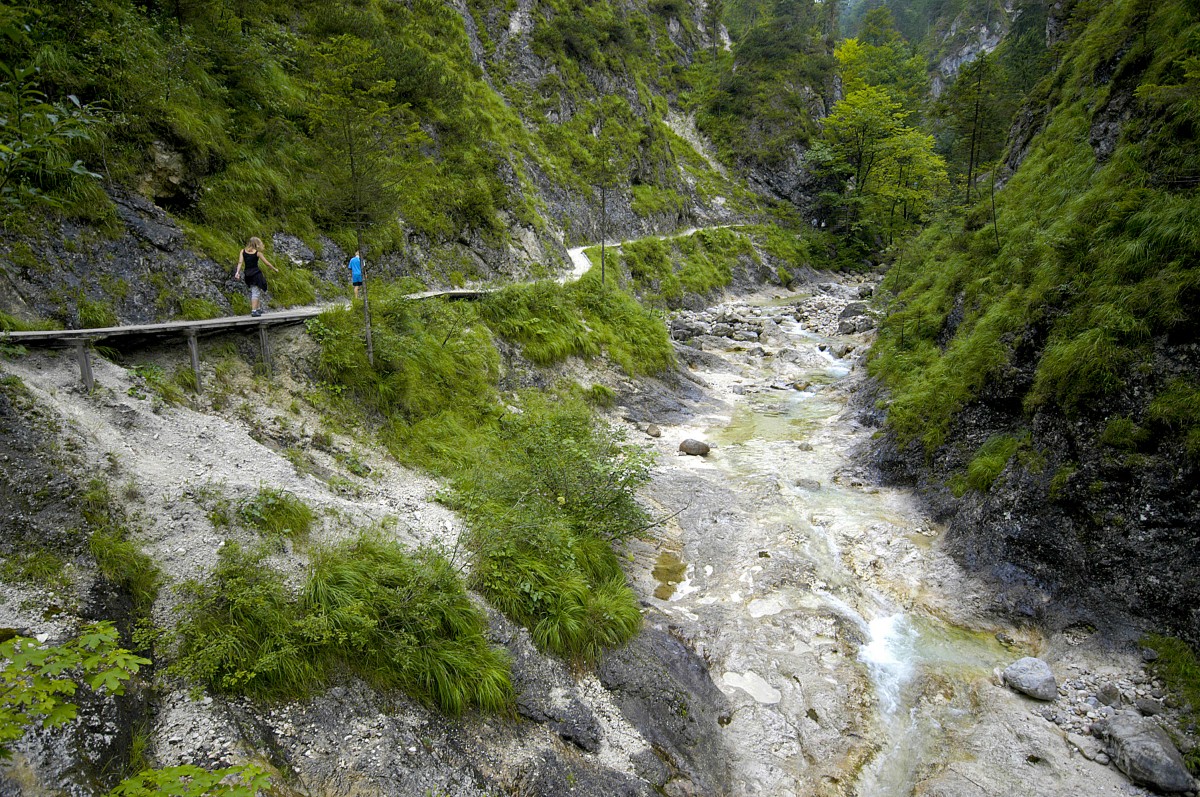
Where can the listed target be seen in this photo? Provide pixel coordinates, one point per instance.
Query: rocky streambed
(856, 656)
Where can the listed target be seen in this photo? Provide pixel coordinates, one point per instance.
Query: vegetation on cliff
(1089, 258)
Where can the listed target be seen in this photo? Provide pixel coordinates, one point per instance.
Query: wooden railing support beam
(85, 365)
(194, 350)
(265, 342)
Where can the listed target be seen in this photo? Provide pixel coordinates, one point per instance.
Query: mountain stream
(858, 658)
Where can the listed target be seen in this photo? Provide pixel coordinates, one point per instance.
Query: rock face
(665, 690)
(1097, 529)
(1143, 751)
(1032, 677)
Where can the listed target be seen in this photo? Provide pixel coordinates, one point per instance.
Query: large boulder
(1032, 677)
(695, 448)
(1144, 752)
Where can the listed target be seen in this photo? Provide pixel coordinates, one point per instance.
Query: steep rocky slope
(1040, 364)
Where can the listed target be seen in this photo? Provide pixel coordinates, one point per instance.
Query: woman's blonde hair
(255, 243)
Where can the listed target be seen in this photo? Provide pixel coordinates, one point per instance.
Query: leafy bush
(36, 681)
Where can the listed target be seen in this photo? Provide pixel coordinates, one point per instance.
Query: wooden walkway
(81, 339)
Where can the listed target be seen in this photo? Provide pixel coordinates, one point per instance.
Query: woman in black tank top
(248, 262)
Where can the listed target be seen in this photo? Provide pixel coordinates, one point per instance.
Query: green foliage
(552, 322)
(989, 462)
(542, 526)
(404, 621)
(888, 65)
(191, 781)
(154, 380)
(754, 103)
(194, 309)
(34, 567)
(237, 631)
(885, 174)
(95, 313)
(37, 683)
(545, 492)
(1178, 407)
(37, 136)
(1087, 261)
(277, 514)
(1123, 434)
(664, 271)
(649, 200)
(1178, 665)
(119, 559)
(398, 620)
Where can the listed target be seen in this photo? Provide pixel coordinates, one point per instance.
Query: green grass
(119, 559)
(988, 463)
(399, 620)
(35, 567)
(543, 525)
(95, 313)
(1178, 665)
(195, 309)
(1095, 260)
(154, 380)
(552, 322)
(546, 492)
(277, 514)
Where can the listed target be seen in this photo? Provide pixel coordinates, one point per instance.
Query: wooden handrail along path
(81, 339)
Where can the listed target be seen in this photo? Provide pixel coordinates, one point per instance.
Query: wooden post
(194, 350)
(265, 343)
(85, 365)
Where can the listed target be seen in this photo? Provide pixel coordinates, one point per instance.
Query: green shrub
(542, 525)
(238, 631)
(277, 514)
(545, 492)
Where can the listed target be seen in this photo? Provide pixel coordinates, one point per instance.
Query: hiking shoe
(255, 313)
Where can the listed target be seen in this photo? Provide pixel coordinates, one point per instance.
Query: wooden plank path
(81, 339)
